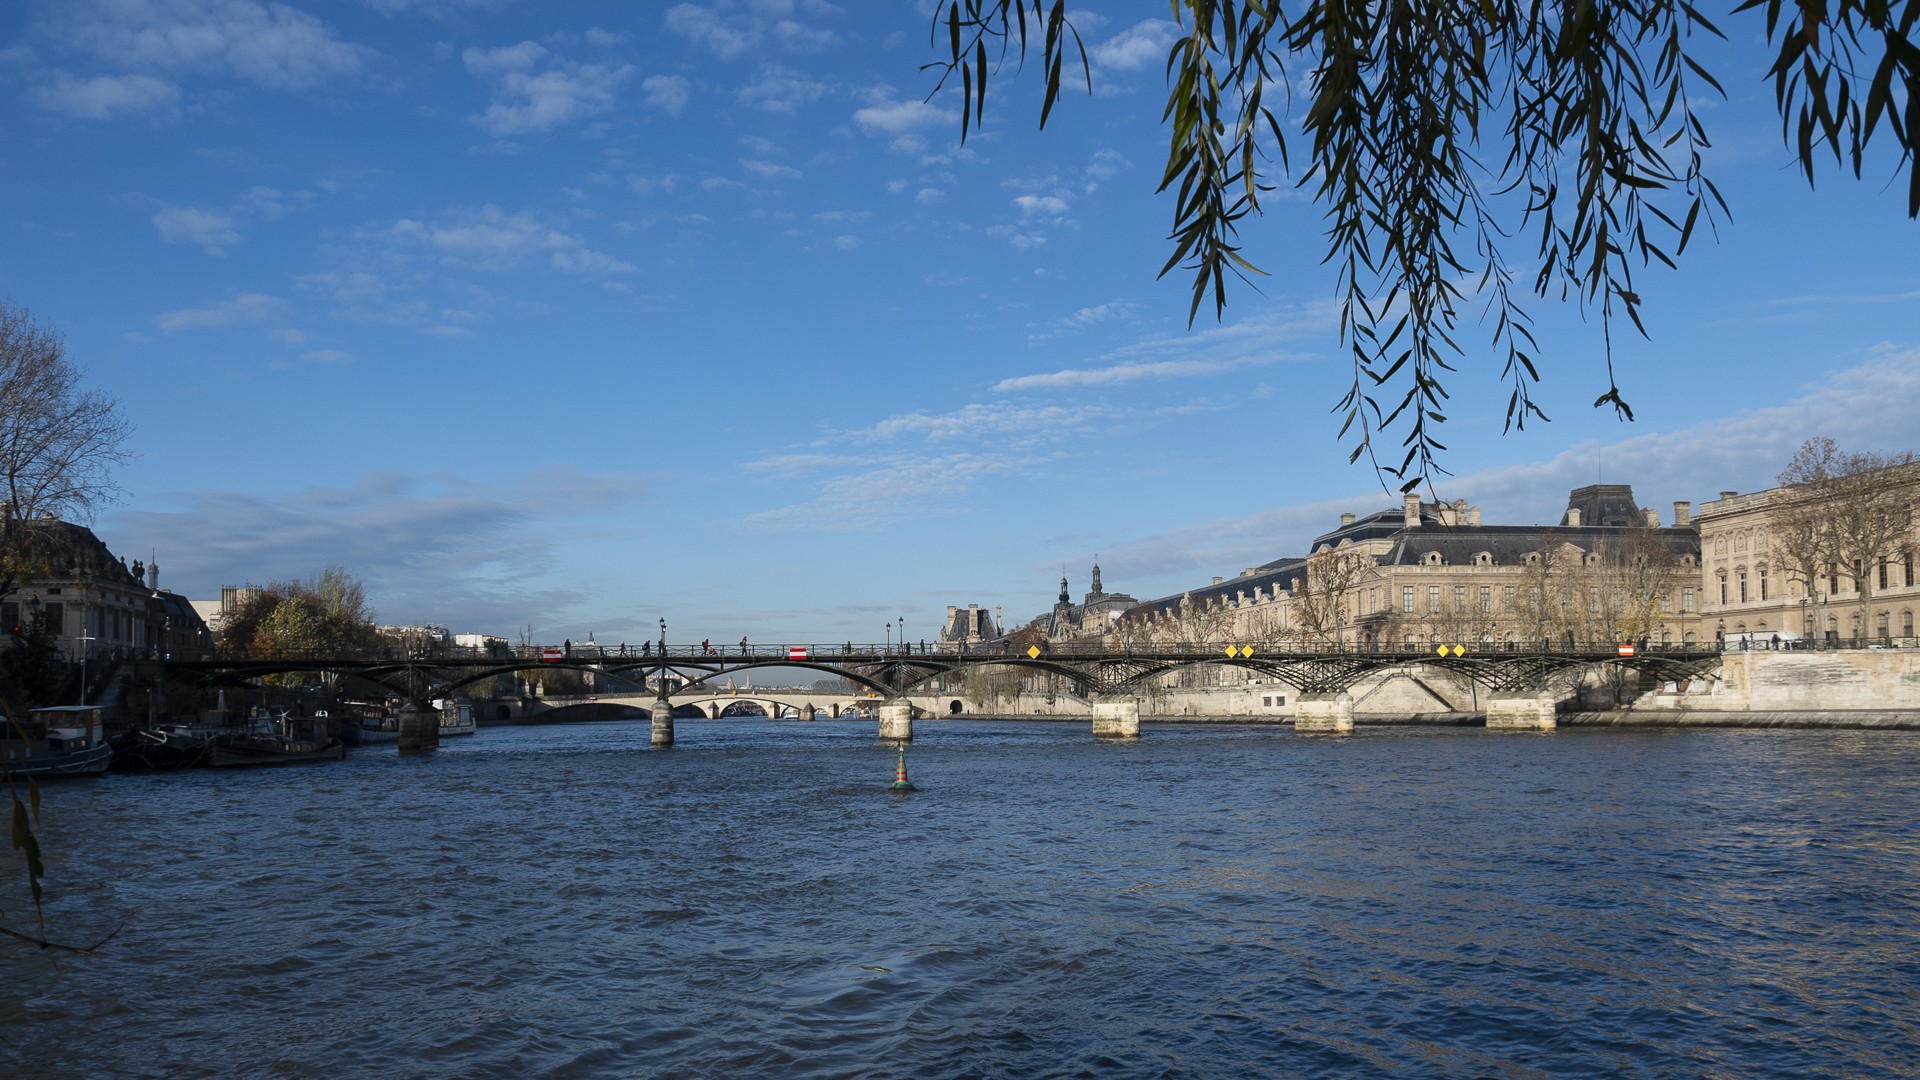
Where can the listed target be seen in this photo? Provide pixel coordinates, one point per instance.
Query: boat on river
(168, 747)
(278, 739)
(66, 740)
(456, 719)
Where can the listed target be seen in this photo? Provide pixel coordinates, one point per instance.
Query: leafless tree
(1853, 511)
(1323, 606)
(58, 442)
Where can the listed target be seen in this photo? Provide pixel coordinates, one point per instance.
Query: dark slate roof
(1280, 572)
(1457, 544)
(1509, 544)
(1605, 504)
(70, 549)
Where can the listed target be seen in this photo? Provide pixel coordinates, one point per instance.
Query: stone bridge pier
(419, 727)
(1116, 717)
(1324, 714)
(896, 720)
(662, 715)
(1522, 712)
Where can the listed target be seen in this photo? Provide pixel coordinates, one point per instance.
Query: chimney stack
(1573, 517)
(1653, 519)
(1682, 513)
(1411, 509)
(1346, 520)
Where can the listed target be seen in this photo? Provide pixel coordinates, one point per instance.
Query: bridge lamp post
(903, 634)
(887, 629)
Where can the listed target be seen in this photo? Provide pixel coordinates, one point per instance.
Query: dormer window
(1432, 558)
(1483, 558)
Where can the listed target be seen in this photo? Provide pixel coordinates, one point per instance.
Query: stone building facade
(1432, 574)
(93, 602)
(1755, 595)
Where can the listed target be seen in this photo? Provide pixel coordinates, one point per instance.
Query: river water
(1208, 901)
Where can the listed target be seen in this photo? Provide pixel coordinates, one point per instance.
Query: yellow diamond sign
(1442, 650)
(1033, 652)
(1232, 651)
(1246, 650)
(1459, 650)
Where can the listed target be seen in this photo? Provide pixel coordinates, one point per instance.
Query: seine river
(1210, 901)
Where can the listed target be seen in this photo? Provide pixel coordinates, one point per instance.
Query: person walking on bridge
(743, 644)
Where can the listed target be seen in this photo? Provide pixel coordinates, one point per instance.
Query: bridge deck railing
(858, 653)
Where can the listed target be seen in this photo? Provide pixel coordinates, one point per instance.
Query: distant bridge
(1110, 677)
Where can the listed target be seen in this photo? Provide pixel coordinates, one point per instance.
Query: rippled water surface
(1209, 901)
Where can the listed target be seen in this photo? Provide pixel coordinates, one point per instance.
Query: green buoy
(900, 781)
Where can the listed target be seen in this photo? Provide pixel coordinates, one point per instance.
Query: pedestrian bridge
(1521, 683)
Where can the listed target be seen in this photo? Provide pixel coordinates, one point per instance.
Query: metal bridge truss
(892, 675)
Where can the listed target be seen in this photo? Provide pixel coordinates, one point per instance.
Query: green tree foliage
(1434, 132)
(324, 616)
(30, 664)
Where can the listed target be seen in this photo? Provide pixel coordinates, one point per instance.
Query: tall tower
(1063, 590)
(1096, 576)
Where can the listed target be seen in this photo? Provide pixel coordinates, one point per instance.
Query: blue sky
(568, 317)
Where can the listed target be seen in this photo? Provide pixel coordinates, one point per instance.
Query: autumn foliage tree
(325, 615)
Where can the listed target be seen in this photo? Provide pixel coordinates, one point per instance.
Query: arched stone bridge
(1520, 680)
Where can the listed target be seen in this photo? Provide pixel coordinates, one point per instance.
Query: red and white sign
(552, 654)
(796, 652)
(1626, 650)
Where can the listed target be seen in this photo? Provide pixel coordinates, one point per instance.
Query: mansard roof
(1266, 577)
(1604, 504)
(1606, 512)
(1509, 545)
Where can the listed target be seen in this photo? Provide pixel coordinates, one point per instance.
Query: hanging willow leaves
(1439, 129)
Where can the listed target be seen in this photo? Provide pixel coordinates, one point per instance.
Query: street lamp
(663, 658)
(84, 640)
(887, 628)
(903, 635)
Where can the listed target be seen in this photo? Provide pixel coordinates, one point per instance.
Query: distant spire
(1096, 575)
(1063, 590)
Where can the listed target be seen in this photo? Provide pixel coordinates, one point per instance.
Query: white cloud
(771, 170)
(243, 308)
(210, 229)
(1052, 206)
(106, 96)
(668, 93)
(1143, 45)
(1076, 378)
(590, 262)
(492, 239)
(604, 39)
(505, 59)
(527, 101)
(902, 117)
(218, 230)
(270, 45)
(441, 549)
(887, 491)
(781, 90)
(729, 28)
